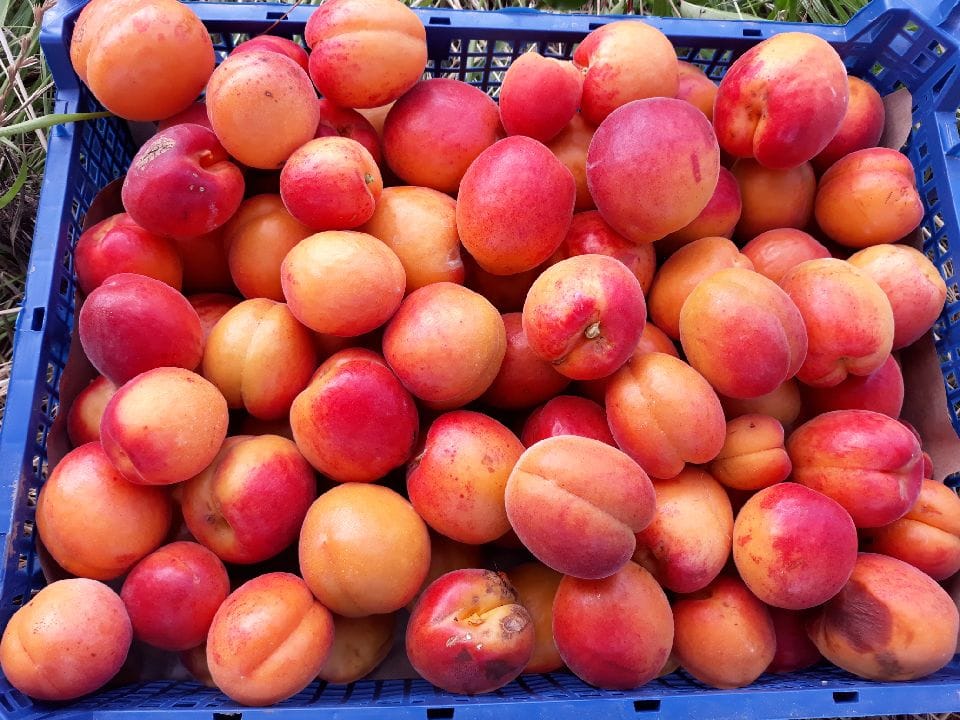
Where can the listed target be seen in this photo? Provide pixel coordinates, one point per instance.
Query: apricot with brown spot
(890, 622)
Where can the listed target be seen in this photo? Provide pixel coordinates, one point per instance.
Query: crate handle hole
(36, 320)
(439, 713)
(752, 32)
(439, 21)
(646, 706)
(227, 716)
(275, 15)
(846, 696)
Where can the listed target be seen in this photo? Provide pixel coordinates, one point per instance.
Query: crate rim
(939, 13)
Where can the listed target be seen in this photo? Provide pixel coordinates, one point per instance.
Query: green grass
(26, 94)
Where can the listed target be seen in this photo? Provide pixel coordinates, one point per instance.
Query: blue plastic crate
(891, 43)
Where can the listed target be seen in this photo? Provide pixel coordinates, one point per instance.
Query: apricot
(272, 43)
(912, 284)
(514, 206)
(172, 595)
(868, 462)
(928, 536)
(120, 522)
(623, 61)
(69, 640)
(868, 197)
(195, 114)
(536, 586)
(782, 101)
(182, 183)
(376, 117)
(717, 219)
(570, 147)
(117, 244)
(524, 378)
(132, 323)
(505, 292)
(861, 127)
(293, 640)
(231, 506)
(687, 543)
(723, 635)
(539, 96)
(774, 252)
(773, 198)
(794, 547)
(347, 123)
(359, 645)
(637, 146)
(355, 422)
(83, 419)
(164, 426)
(195, 662)
(210, 308)
(682, 272)
(262, 107)
(567, 415)
(447, 555)
(753, 455)
(172, 60)
(615, 633)
(87, 28)
(585, 315)
(589, 234)
(795, 651)
(342, 283)
(449, 321)
(331, 183)
(363, 550)
(365, 53)
(570, 486)
(697, 89)
(848, 318)
(644, 401)
(467, 633)
(881, 391)
(257, 239)
(259, 357)
(652, 339)
(783, 404)
(890, 622)
(457, 483)
(737, 307)
(456, 121)
(327, 345)
(420, 226)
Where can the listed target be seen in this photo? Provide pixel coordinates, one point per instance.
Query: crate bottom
(820, 692)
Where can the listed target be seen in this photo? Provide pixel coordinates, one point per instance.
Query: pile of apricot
(601, 374)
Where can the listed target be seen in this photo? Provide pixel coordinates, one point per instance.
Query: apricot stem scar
(592, 331)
